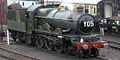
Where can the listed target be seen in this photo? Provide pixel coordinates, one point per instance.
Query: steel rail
(12, 55)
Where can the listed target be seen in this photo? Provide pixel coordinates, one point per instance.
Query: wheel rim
(28, 39)
(13, 35)
(80, 54)
(67, 50)
(14, 38)
(87, 53)
(58, 48)
(21, 38)
(49, 45)
(40, 42)
(95, 52)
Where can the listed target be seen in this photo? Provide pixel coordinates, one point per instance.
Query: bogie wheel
(87, 53)
(95, 52)
(40, 41)
(80, 53)
(49, 44)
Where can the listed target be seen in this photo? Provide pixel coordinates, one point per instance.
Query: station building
(87, 6)
(3, 11)
(108, 8)
(23, 3)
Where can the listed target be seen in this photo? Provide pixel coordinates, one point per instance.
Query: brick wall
(3, 11)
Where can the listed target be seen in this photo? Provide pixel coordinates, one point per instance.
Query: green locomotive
(61, 29)
(21, 21)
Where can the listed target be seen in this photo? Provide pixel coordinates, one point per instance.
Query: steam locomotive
(62, 29)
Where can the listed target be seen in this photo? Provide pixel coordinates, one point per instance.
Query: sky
(70, 1)
(10, 1)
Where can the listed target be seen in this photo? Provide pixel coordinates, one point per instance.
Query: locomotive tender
(61, 29)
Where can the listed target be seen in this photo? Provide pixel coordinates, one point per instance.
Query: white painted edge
(8, 39)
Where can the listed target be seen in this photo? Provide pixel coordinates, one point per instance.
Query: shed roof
(79, 1)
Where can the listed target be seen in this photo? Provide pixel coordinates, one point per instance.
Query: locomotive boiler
(70, 22)
(63, 29)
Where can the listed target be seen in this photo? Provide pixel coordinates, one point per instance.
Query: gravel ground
(110, 53)
(113, 54)
(43, 54)
(3, 58)
(112, 38)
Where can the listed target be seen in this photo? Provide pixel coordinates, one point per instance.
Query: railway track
(12, 55)
(102, 58)
(114, 45)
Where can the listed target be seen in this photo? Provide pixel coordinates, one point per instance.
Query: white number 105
(89, 24)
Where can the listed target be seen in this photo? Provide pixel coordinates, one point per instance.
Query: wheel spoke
(40, 42)
(49, 45)
(58, 48)
(28, 39)
(80, 53)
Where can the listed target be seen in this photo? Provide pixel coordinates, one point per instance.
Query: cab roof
(33, 7)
